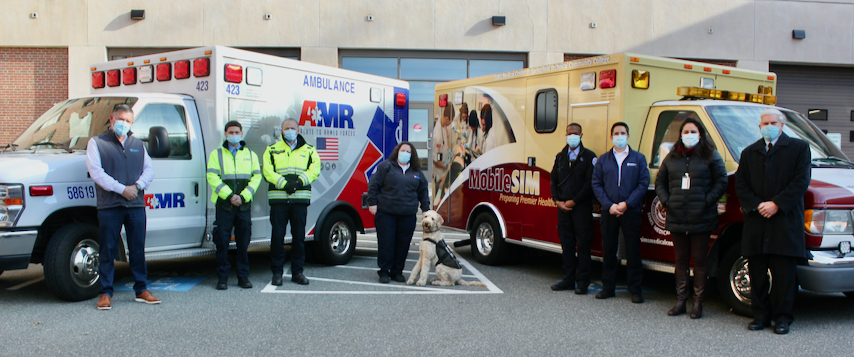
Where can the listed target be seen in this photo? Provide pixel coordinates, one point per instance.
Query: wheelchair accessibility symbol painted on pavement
(166, 283)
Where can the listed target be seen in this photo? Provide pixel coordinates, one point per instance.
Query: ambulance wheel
(336, 242)
(71, 262)
(734, 281)
(487, 242)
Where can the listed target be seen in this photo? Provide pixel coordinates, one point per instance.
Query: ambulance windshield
(739, 126)
(70, 124)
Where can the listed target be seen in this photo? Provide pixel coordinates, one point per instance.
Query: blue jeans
(110, 222)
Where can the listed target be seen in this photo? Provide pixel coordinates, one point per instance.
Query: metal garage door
(811, 88)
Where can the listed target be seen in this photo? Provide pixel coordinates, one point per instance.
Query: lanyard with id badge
(686, 181)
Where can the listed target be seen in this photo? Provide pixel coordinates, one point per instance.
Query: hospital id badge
(686, 182)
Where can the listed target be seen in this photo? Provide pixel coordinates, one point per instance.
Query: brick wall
(31, 81)
(573, 57)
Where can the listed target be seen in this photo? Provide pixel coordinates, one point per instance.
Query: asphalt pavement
(345, 312)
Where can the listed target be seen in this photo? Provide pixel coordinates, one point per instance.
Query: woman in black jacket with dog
(690, 181)
(396, 190)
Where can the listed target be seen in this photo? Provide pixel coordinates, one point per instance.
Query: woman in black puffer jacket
(690, 181)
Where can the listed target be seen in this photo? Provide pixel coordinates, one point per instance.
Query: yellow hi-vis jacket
(229, 175)
(281, 164)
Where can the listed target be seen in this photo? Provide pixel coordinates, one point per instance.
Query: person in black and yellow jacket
(290, 166)
(234, 175)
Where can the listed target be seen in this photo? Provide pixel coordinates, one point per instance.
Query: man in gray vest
(121, 168)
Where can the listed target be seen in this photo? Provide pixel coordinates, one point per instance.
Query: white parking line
(403, 289)
(404, 272)
(26, 284)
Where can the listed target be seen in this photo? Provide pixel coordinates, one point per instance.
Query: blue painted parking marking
(166, 283)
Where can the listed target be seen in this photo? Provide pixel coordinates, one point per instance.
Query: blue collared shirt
(573, 153)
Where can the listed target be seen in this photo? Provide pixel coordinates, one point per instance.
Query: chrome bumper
(16, 248)
(826, 272)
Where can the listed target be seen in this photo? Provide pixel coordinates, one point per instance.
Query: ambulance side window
(667, 134)
(545, 111)
(169, 116)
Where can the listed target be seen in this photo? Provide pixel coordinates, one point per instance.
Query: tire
(71, 262)
(734, 281)
(487, 241)
(336, 241)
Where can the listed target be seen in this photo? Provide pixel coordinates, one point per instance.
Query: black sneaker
(384, 279)
(563, 285)
(300, 279)
(398, 278)
(637, 298)
(222, 284)
(604, 294)
(244, 283)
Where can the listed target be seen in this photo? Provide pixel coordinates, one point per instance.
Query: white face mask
(573, 140)
(620, 141)
(690, 140)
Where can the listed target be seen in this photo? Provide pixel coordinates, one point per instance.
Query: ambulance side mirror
(158, 142)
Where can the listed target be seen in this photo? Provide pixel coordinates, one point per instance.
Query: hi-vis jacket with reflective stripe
(281, 164)
(228, 174)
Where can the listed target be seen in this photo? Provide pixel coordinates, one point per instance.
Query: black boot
(681, 294)
(699, 290)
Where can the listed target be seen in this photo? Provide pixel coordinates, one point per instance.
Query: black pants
(777, 304)
(688, 245)
(631, 225)
(394, 234)
(574, 231)
(241, 222)
(280, 216)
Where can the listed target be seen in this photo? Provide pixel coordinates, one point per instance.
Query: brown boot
(681, 294)
(104, 302)
(699, 289)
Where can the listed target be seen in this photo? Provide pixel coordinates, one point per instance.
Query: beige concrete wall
(80, 58)
(743, 30)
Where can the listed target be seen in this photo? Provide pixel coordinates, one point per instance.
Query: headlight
(819, 221)
(11, 203)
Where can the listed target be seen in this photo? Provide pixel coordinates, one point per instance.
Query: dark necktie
(770, 145)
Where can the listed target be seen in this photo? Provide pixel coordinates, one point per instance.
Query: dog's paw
(421, 283)
(410, 282)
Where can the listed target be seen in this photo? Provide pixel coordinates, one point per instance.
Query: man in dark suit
(773, 176)
(620, 181)
(572, 193)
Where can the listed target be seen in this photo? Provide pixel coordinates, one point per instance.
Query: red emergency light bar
(202, 67)
(164, 72)
(608, 78)
(98, 79)
(129, 76)
(233, 73)
(400, 99)
(182, 69)
(113, 78)
(443, 100)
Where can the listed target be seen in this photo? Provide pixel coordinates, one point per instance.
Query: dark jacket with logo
(783, 176)
(695, 209)
(607, 186)
(124, 164)
(571, 180)
(394, 192)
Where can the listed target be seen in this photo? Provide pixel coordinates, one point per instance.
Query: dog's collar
(431, 241)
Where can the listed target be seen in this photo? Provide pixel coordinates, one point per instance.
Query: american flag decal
(327, 149)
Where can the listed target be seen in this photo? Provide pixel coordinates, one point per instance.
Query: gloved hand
(291, 186)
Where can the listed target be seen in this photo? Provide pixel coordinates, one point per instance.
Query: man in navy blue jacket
(620, 182)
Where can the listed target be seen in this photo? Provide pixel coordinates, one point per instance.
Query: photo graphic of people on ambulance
(462, 134)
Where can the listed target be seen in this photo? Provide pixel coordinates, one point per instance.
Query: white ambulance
(181, 102)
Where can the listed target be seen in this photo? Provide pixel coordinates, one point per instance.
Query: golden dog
(448, 276)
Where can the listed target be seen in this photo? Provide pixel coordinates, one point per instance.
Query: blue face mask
(121, 128)
(620, 141)
(690, 140)
(573, 140)
(404, 157)
(770, 132)
(234, 139)
(290, 135)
